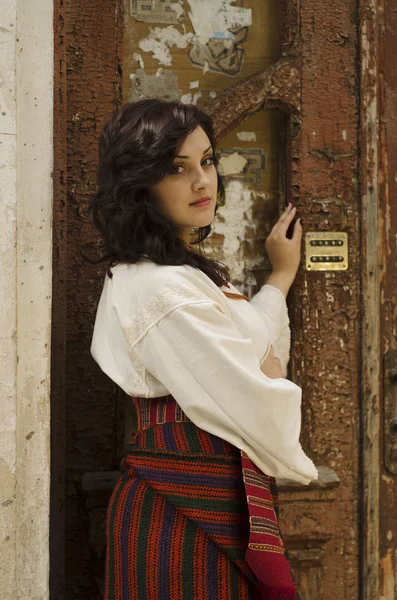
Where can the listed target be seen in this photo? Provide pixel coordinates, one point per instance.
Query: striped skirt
(178, 522)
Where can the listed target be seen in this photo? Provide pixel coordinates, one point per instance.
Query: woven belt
(265, 552)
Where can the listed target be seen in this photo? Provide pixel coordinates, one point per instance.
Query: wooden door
(301, 100)
(380, 491)
(378, 30)
(313, 85)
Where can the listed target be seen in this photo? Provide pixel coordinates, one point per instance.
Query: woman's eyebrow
(180, 156)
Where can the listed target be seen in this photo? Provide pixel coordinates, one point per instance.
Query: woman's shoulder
(147, 276)
(146, 291)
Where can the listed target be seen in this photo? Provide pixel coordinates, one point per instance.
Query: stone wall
(26, 112)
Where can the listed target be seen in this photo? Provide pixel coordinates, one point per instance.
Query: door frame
(371, 260)
(370, 303)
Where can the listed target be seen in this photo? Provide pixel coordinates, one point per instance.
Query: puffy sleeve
(212, 371)
(271, 304)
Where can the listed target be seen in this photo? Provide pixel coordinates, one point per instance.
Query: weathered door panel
(323, 525)
(388, 300)
(88, 54)
(311, 83)
(284, 99)
(315, 84)
(378, 30)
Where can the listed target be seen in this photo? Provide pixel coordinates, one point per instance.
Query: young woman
(194, 514)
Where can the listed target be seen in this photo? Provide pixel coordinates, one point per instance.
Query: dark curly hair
(137, 148)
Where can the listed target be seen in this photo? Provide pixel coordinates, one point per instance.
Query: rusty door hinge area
(390, 410)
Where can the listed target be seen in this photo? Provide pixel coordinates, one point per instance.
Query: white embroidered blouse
(163, 329)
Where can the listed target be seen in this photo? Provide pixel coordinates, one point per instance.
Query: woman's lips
(202, 203)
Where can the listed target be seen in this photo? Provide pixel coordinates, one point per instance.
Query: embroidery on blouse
(277, 290)
(282, 347)
(271, 290)
(282, 344)
(157, 307)
(138, 385)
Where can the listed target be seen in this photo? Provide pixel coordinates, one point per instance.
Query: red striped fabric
(265, 553)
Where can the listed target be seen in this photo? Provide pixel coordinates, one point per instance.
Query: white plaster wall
(26, 106)
(8, 341)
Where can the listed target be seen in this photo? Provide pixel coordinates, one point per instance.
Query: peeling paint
(177, 7)
(247, 136)
(232, 164)
(220, 55)
(216, 18)
(190, 99)
(161, 39)
(196, 96)
(136, 56)
(235, 215)
(194, 84)
(387, 479)
(163, 84)
(387, 576)
(149, 11)
(253, 172)
(206, 67)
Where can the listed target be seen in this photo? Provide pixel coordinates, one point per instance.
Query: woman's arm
(212, 371)
(271, 304)
(271, 366)
(282, 281)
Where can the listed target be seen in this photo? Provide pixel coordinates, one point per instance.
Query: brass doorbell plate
(326, 251)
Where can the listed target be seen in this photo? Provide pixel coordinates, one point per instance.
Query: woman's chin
(204, 220)
(202, 223)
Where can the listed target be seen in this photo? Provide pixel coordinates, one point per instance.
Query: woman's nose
(201, 179)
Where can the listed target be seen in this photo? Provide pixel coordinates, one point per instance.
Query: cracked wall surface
(26, 84)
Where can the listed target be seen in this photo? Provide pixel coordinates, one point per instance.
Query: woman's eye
(174, 169)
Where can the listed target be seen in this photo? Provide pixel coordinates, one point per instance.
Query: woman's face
(194, 176)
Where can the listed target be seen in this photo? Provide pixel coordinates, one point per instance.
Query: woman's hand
(284, 254)
(271, 366)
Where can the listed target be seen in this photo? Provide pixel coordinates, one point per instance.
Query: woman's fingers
(283, 252)
(298, 230)
(284, 221)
